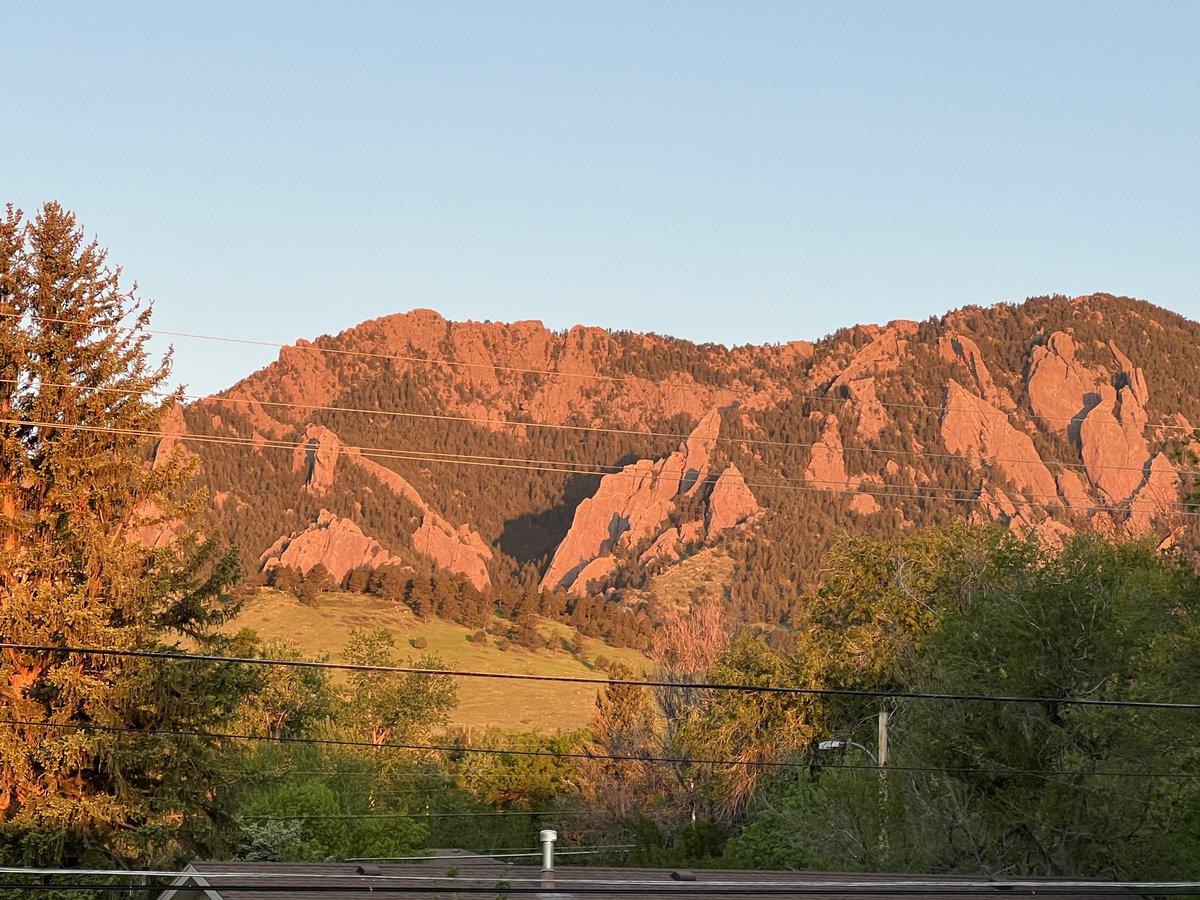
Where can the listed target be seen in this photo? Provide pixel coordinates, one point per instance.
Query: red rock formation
(174, 430)
(631, 506)
(996, 506)
(458, 550)
(827, 464)
(698, 451)
(1058, 384)
(598, 569)
(462, 550)
(827, 469)
(961, 349)
(1112, 446)
(664, 549)
(509, 371)
(336, 543)
(316, 458)
(731, 502)
(872, 414)
(1073, 490)
(973, 428)
(1157, 496)
(1111, 436)
(691, 532)
(884, 354)
(864, 504)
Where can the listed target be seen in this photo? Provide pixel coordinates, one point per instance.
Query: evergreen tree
(94, 760)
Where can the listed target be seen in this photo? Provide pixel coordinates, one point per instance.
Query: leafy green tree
(100, 757)
(357, 579)
(518, 780)
(388, 707)
(1049, 788)
(1096, 621)
(310, 820)
(284, 578)
(624, 725)
(838, 820)
(752, 729)
(319, 577)
(286, 701)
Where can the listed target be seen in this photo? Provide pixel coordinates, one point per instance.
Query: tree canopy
(97, 753)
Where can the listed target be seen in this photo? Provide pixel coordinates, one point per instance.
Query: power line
(605, 682)
(1179, 508)
(508, 423)
(778, 765)
(714, 879)
(550, 373)
(497, 814)
(457, 887)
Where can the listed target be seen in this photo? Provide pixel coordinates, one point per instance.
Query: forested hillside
(1052, 416)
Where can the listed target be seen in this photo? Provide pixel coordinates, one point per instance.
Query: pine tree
(93, 761)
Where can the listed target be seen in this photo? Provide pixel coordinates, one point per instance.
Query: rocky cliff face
(336, 543)
(494, 372)
(984, 436)
(631, 507)
(317, 457)
(474, 445)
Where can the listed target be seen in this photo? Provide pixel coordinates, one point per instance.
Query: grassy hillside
(512, 705)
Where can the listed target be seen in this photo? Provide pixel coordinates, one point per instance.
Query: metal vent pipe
(548, 836)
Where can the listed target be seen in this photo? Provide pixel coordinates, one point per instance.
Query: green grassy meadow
(510, 705)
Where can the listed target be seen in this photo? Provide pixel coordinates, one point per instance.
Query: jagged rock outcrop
(632, 505)
(1157, 496)
(977, 430)
(598, 569)
(1073, 490)
(334, 542)
(995, 505)
(827, 464)
(883, 354)
(1112, 441)
(862, 397)
(174, 430)
(959, 348)
(492, 372)
(1061, 389)
(731, 502)
(521, 392)
(827, 469)
(316, 458)
(664, 548)
(458, 550)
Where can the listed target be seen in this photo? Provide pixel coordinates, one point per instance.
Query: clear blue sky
(736, 172)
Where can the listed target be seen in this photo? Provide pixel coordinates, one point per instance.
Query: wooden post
(883, 737)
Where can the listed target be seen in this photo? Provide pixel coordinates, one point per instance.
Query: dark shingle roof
(465, 877)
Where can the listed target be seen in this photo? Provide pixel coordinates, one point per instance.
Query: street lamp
(880, 760)
(839, 744)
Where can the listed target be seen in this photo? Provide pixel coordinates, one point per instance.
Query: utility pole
(883, 737)
(882, 745)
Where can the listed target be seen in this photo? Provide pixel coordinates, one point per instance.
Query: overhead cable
(605, 682)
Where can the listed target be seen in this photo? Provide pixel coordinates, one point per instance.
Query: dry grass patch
(483, 702)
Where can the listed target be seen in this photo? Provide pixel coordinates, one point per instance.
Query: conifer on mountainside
(92, 748)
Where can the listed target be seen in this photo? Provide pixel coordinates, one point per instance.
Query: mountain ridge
(483, 449)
